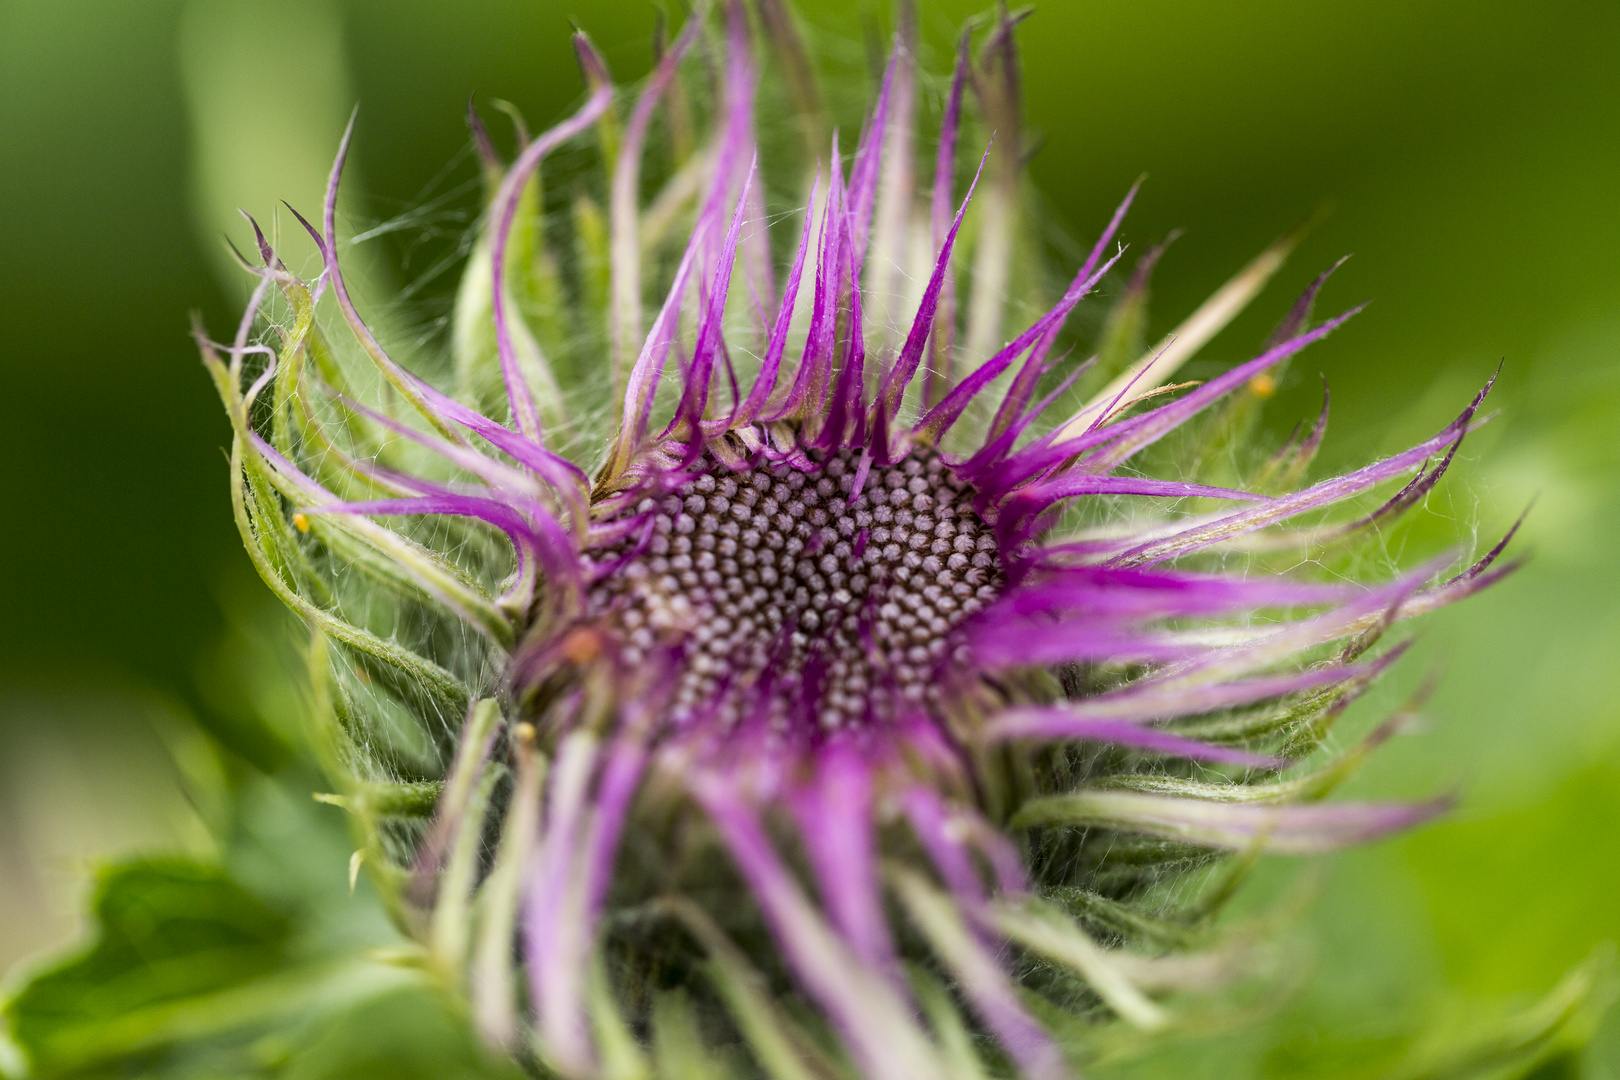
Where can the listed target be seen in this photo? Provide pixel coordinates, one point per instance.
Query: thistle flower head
(854, 696)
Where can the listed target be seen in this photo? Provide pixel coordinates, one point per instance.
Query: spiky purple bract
(812, 687)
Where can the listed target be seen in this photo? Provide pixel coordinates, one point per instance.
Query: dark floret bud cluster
(819, 597)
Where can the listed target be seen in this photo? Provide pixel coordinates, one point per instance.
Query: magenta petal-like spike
(1162, 420)
(814, 363)
(696, 395)
(869, 1014)
(524, 412)
(942, 339)
(1319, 495)
(1023, 387)
(941, 417)
(1145, 705)
(905, 366)
(766, 381)
(624, 212)
(835, 817)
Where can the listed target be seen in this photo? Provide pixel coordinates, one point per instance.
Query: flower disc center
(796, 596)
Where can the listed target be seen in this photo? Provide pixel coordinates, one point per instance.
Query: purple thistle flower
(821, 703)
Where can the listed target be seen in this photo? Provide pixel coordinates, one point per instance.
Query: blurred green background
(1472, 151)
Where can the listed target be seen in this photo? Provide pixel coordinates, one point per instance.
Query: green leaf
(408, 1034)
(1541, 1041)
(169, 934)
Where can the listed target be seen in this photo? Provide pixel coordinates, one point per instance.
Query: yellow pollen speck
(1263, 385)
(301, 523)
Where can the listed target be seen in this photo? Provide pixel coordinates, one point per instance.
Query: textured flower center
(798, 596)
